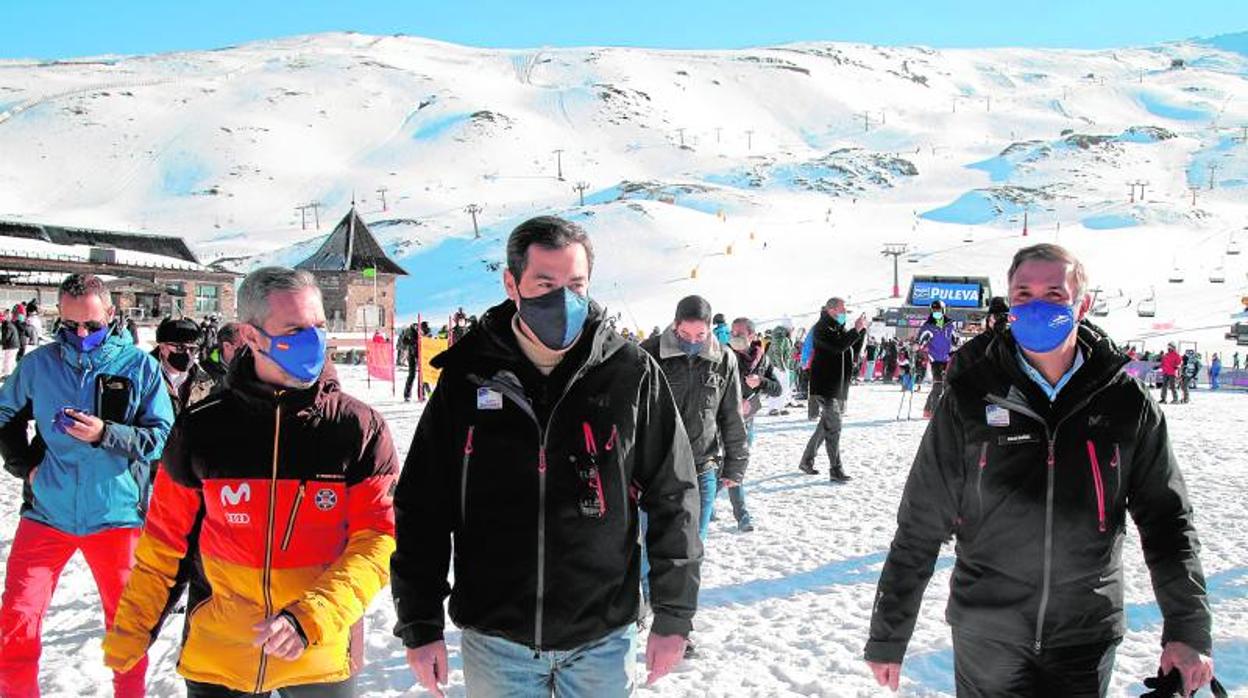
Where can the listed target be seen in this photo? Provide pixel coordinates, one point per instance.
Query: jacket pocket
(463, 477)
(1098, 484)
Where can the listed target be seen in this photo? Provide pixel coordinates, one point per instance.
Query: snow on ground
(784, 611)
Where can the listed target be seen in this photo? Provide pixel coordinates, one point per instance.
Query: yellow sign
(429, 348)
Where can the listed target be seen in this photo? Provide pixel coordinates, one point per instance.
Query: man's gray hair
(749, 324)
(253, 295)
(1048, 252)
(834, 302)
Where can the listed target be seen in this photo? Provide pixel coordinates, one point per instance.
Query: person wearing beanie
(177, 346)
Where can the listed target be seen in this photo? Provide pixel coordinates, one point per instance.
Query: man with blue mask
(706, 383)
(282, 485)
(834, 348)
(546, 434)
(102, 416)
(1038, 452)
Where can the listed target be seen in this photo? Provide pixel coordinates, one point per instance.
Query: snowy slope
(784, 611)
(802, 159)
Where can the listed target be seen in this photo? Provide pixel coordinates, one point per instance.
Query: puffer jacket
(295, 491)
(1037, 495)
(82, 488)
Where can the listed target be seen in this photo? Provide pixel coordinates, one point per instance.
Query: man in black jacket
(831, 367)
(545, 433)
(705, 382)
(1038, 451)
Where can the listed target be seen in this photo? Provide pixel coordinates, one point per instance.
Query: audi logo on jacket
(294, 489)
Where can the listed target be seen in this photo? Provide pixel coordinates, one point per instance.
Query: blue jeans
(708, 482)
(736, 495)
(498, 668)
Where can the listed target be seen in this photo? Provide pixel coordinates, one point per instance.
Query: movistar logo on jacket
(232, 497)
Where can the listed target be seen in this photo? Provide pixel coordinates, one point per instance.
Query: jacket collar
(102, 356)
(243, 382)
(996, 371)
(493, 342)
(669, 346)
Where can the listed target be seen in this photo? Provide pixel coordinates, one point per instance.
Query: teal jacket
(82, 488)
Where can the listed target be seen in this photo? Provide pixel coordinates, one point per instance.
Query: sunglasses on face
(90, 325)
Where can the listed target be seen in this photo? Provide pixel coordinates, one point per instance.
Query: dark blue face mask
(1040, 326)
(690, 349)
(555, 318)
(87, 344)
(301, 355)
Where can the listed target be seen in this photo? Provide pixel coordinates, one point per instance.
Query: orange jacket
(295, 491)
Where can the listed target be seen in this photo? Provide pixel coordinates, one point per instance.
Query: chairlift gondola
(1217, 276)
(1176, 275)
(1146, 308)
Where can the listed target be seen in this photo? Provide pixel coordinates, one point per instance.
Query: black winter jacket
(537, 485)
(769, 385)
(835, 349)
(707, 390)
(1037, 496)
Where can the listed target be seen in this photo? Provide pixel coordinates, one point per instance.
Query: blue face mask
(937, 315)
(842, 318)
(690, 349)
(555, 318)
(87, 344)
(301, 355)
(1040, 326)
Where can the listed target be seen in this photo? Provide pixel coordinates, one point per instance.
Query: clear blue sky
(68, 28)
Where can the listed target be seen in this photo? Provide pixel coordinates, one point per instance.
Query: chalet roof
(351, 247)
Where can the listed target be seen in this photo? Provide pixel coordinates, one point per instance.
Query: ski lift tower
(895, 250)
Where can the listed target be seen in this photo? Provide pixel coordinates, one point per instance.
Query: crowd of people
(567, 474)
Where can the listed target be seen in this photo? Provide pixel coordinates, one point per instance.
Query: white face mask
(739, 343)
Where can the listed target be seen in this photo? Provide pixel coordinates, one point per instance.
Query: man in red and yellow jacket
(294, 482)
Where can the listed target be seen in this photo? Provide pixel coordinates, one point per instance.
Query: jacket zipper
(1051, 462)
(463, 483)
(1098, 484)
(543, 433)
(979, 480)
(268, 540)
(1114, 466)
(294, 511)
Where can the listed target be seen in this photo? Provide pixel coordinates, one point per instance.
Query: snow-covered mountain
(766, 179)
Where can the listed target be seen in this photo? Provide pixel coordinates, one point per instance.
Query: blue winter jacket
(82, 488)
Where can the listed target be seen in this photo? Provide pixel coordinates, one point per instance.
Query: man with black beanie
(177, 346)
